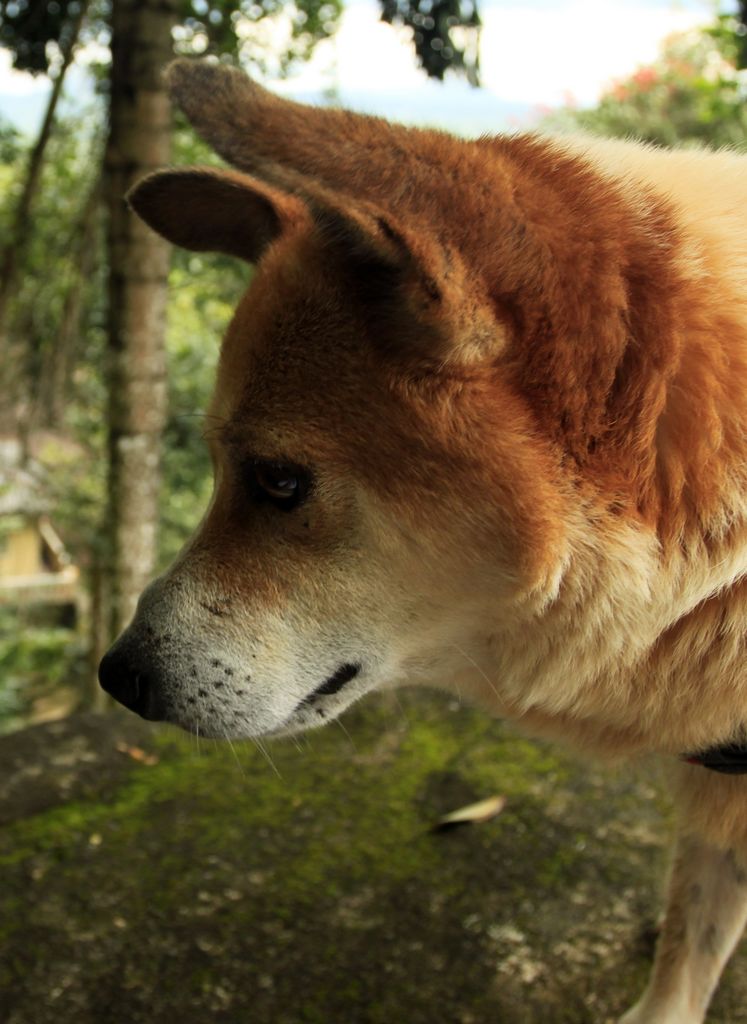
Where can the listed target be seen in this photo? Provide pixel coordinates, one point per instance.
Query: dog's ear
(383, 196)
(208, 210)
(285, 142)
(418, 297)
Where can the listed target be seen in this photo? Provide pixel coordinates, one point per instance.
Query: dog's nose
(127, 684)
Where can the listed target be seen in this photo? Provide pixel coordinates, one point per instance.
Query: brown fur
(517, 371)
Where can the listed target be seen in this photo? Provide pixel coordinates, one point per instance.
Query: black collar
(730, 760)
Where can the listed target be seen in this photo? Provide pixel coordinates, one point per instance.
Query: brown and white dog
(482, 425)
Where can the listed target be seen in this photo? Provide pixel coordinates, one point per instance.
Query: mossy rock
(147, 878)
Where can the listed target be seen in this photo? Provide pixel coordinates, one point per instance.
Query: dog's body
(480, 423)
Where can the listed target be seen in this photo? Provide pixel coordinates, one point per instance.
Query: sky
(534, 55)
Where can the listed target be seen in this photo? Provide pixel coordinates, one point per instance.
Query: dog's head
(382, 496)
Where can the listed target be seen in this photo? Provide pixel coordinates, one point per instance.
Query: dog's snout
(129, 685)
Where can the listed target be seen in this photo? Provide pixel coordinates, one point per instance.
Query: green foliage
(203, 294)
(69, 175)
(248, 30)
(27, 27)
(741, 33)
(35, 658)
(50, 269)
(244, 29)
(692, 95)
(10, 145)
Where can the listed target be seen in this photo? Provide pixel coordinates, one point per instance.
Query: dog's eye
(284, 486)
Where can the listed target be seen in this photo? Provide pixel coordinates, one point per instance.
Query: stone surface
(146, 879)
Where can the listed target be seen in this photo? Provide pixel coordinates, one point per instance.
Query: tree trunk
(139, 141)
(11, 256)
(97, 622)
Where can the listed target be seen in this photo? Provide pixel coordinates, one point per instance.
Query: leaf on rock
(137, 754)
(472, 814)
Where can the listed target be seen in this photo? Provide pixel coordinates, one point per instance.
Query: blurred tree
(28, 27)
(445, 34)
(50, 311)
(271, 35)
(693, 94)
(10, 143)
(28, 55)
(139, 142)
(54, 370)
(741, 32)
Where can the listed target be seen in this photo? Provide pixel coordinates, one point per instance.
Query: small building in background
(35, 568)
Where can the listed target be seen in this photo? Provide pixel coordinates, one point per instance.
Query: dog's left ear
(418, 297)
(209, 210)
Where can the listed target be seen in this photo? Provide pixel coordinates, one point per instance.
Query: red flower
(645, 77)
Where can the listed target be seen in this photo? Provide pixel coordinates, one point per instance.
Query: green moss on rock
(213, 886)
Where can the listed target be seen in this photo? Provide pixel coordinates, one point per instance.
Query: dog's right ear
(209, 210)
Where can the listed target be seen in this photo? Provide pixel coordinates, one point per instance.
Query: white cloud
(364, 54)
(19, 83)
(543, 54)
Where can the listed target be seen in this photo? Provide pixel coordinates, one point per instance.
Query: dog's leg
(706, 912)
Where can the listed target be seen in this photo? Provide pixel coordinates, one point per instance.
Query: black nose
(129, 685)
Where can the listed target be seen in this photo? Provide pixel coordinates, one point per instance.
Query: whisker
(305, 739)
(472, 661)
(233, 751)
(459, 694)
(197, 415)
(213, 432)
(348, 736)
(214, 429)
(401, 707)
(296, 744)
(266, 754)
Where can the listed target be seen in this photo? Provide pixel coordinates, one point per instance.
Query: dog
(482, 425)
